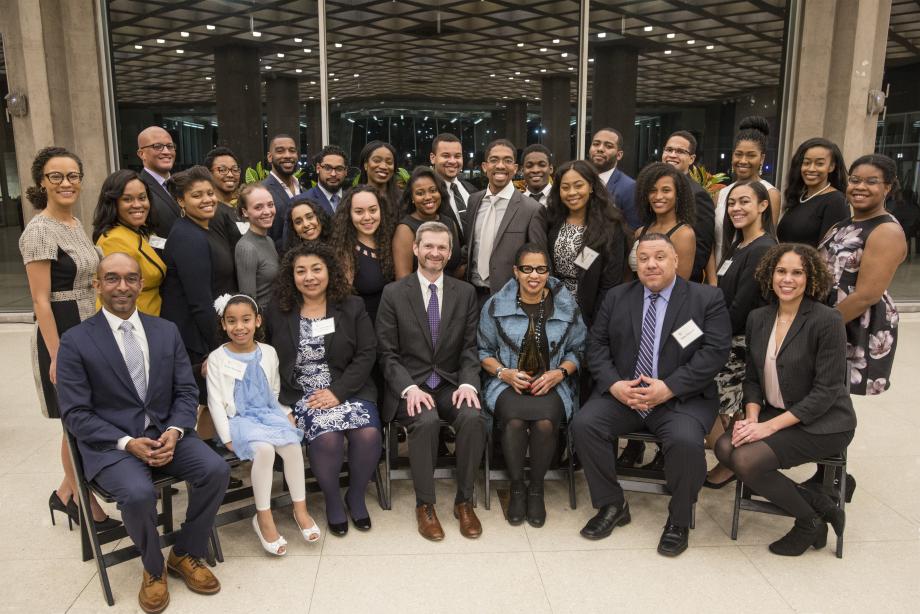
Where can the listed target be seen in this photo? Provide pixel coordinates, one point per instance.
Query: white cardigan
(221, 384)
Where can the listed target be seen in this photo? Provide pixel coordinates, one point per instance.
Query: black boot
(816, 484)
(826, 508)
(517, 505)
(536, 508)
(805, 533)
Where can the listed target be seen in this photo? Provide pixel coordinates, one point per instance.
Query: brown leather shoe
(154, 596)
(429, 526)
(469, 523)
(196, 574)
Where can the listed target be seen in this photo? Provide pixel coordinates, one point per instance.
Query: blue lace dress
(258, 417)
(312, 373)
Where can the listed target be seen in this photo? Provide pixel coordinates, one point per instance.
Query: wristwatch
(565, 373)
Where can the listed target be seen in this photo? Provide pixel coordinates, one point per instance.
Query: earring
(42, 189)
(181, 211)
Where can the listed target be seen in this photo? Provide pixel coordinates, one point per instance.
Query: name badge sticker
(157, 242)
(323, 327)
(586, 257)
(687, 334)
(243, 227)
(724, 268)
(236, 368)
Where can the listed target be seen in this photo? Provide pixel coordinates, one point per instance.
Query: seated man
(426, 342)
(654, 350)
(128, 396)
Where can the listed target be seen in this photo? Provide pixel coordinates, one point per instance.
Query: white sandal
(310, 534)
(270, 547)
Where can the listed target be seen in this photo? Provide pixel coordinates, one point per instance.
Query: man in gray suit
(500, 220)
(426, 343)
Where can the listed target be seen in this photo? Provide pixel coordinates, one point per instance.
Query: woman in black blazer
(326, 349)
(797, 407)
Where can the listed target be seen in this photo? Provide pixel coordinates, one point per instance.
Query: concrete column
(57, 66)
(239, 102)
(613, 96)
(313, 115)
(556, 109)
(841, 57)
(282, 107)
(516, 123)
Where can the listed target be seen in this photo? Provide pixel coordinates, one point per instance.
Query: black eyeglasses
(676, 150)
(338, 170)
(526, 269)
(158, 147)
(226, 170)
(58, 178)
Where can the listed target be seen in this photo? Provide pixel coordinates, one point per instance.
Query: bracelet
(498, 372)
(565, 373)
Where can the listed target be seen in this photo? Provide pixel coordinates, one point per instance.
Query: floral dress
(312, 373)
(873, 336)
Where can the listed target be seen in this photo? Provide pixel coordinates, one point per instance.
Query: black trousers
(424, 429)
(600, 420)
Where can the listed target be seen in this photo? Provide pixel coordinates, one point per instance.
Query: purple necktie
(434, 324)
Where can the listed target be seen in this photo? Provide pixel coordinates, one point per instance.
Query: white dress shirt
(290, 193)
(544, 194)
(500, 201)
(463, 193)
(329, 195)
(605, 176)
(159, 178)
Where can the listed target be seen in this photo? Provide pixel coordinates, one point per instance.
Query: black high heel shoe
(56, 505)
(73, 515)
(362, 524)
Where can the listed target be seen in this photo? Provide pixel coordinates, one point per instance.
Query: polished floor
(509, 569)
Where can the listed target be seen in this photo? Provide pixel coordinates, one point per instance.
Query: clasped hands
(154, 452)
(537, 386)
(749, 431)
(417, 399)
(639, 397)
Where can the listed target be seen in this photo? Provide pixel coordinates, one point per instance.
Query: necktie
(486, 238)
(434, 324)
(458, 198)
(334, 201)
(537, 196)
(134, 359)
(647, 344)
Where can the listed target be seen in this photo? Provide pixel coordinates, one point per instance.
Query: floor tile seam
(95, 577)
(315, 580)
(533, 556)
(761, 573)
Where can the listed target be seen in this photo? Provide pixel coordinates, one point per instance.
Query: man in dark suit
(127, 394)
(426, 343)
(605, 152)
(680, 151)
(331, 170)
(281, 183)
(157, 152)
(537, 163)
(500, 220)
(654, 350)
(447, 161)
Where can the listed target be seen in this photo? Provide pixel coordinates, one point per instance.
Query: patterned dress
(873, 336)
(312, 373)
(568, 244)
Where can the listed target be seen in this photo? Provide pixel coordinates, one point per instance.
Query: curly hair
(753, 128)
(292, 239)
(36, 193)
(345, 235)
(602, 219)
(182, 182)
(106, 215)
(407, 205)
(818, 278)
(389, 198)
(286, 292)
(796, 186)
(685, 206)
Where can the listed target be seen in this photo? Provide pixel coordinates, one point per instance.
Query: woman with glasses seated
(530, 337)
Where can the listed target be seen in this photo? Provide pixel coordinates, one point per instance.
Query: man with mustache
(447, 161)
(281, 183)
(605, 152)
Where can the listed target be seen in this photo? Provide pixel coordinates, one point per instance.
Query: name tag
(687, 334)
(236, 368)
(724, 268)
(323, 327)
(243, 227)
(157, 242)
(586, 257)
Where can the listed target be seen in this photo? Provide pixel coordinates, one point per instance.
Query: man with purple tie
(426, 344)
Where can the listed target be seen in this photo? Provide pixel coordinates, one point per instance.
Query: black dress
(455, 255)
(808, 222)
(369, 278)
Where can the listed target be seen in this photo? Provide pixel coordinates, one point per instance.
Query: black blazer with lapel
(811, 366)
(404, 338)
(613, 345)
(282, 206)
(165, 208)
(704, 228)
(460, 221)
(350, 351)
(99, 403)
(519, 225)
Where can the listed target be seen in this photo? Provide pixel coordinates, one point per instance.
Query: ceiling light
(590, 59)
(338, 45)
(336, 79)
(492, 75)
(543, 50)
(710, 47)
(671, 35)
(298, 40)
(138, 46)
(312, 82)
(207, 78)
(520, 44)
(565, 55)
(570, 68)
(183, 34)
(160, 41)
(526, 80)
(356, 75)
(332, 74)
(511, 78)
(602, 35)
(647, 28)
(667, 52)
(555, 41)
(691, 42)
(517, 72)
(280, 55)
(179, 51)
(298, 70)
(542, 70)
(257, 34)
(268, 68)
(210, 27)
(350, 119)
(333, 98)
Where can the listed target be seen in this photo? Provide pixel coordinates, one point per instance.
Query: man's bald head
(159, 162)
(118, 283)
(117, 257)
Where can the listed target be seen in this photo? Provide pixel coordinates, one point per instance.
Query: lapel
(332, 310)
(513, 207)
(154, 185)
(678, 295)
(414, 298)
(761, 336)
(636, 304)
(797, 324)
(154, 342)
(448, 306)
(292, 325)
(102, 336)
(471, 212)
(612, 182)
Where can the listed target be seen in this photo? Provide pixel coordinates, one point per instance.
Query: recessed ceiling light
(336, 79)
(280, 55)
(268, 68)
(312, 97)
(356, 75)
(312, 82)
(183, 34)
(332, 74)
(555, 41)
(511, 78)
(520, 44)
(179, 51)
(526, 80)
(298, 70)
(590, 59)
(602, 35)
(671, 35)
(160, 41)
(570, 68)
(298, 40)
(138, 46)
(338, 45)
(691, 42)
(517, 72)
(257, 34)
(210, 27)
(667, 52)
(710, 47)
(308, 50)
(542, 70)
(647, 28)
(565, 55)
(333, 98)
(492, 75)
(543, 49)
(207, 78)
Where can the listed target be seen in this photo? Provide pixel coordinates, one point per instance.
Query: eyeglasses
(869, 181)
(496, 160)
(227, 170)
(338, 170)
(58, 178)
(526, 269)
(112, 279)
(158, 147)
(676, 150)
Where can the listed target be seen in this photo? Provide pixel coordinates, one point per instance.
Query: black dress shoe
(339, 529)
(606, 519)
(108, 524)
(719, 485)
(234, 483)
(362, 524)
(657, 463)
(536, 506)
(517, 503)
(674, 540)
(632, 454)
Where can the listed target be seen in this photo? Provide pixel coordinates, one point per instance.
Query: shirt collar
(506, 193)
(423, 281)
(606, 175)
(161, 180)
(327, 193)
(665, 293)
(115, 321)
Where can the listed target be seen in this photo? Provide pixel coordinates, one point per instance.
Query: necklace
(540, 315)
(802, 198)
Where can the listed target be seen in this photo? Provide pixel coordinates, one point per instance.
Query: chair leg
(573, 502)
(736, 511)
(841, 501)
(378, 484)
(166, 498)
(693, 516)
(388, 482)
(488, 478)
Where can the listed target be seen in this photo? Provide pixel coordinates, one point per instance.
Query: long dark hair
(602, 219)
(36, 193)
(389, 201)
(325, 222)
(287, 294)
(407, 205)
(685, 205)
(105, 218)
(795, 188)
(734, 236)
(345, 236)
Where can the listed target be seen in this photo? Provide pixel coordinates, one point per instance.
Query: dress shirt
(141, 337)
(329, 194)
(544, 194)
(448, 185)
(605, 176)
(500, 201)
(664, 297)
(160, 179)
(291, 194)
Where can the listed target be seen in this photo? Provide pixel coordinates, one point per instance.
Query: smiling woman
(255, 255)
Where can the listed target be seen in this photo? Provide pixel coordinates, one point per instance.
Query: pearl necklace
(804, 200)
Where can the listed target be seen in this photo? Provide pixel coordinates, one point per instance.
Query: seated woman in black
(796, 403)
(199, 268)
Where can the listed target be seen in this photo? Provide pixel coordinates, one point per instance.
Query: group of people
(287, 315)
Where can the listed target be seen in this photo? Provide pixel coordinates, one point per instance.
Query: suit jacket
(613, 345)
(622, 189)
(282, 206)
(519, 225)
(165, 208)
(460, 221)
(350, 351)
(316, 194)
(703, 227)
(404, 346)
(811, 366)
(98, 400)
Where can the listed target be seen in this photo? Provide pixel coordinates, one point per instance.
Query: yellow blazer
(123, 239)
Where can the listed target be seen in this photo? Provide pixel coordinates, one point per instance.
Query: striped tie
(134, 359)
(644, 362)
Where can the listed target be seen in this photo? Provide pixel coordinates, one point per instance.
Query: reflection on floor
(14, 289)
(905, 288)
(509, 569)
